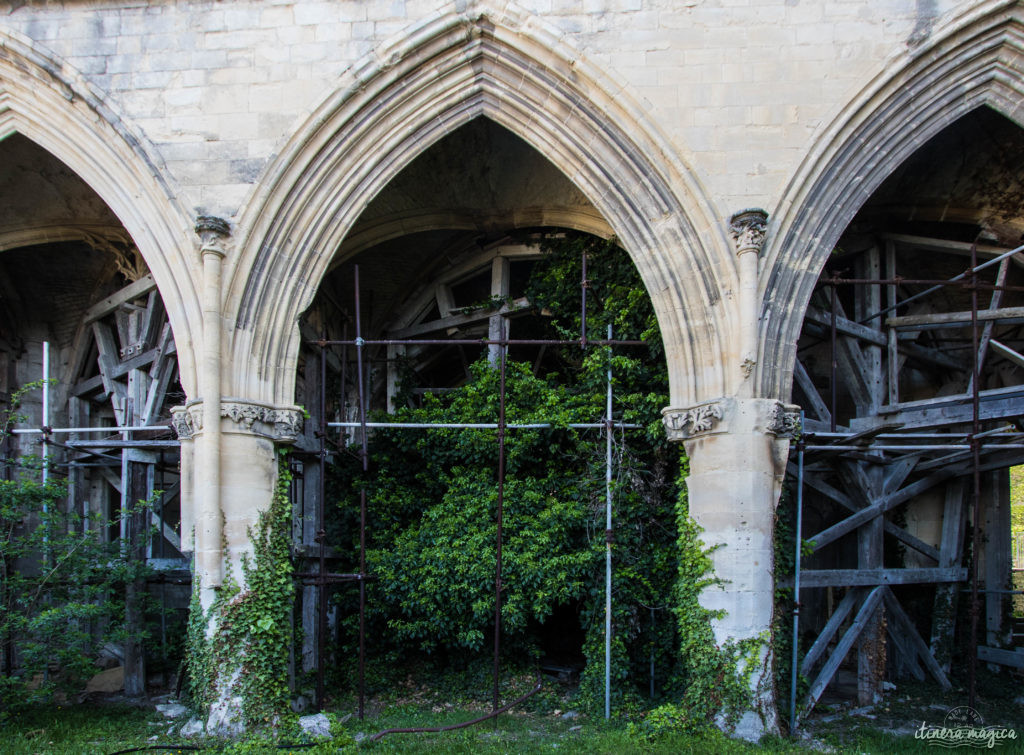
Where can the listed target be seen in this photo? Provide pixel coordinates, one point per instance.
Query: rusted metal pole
(608, 537)
(833, 387)
(976, 480)
(500, 515)
(321, 537)
(584, 285)
(364, 455)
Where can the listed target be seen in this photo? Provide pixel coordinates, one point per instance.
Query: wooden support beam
(906, 656)
(814, 482)
(815, 402)
(986, 333)
(892, 339)
(949, 247)
(999, 403)
(933, 320)
(869, 577)
(456, 321)
(1006, 352)
(883, 504)
(1011, 658)
(835, 621)
(899, 617)
(105, 307)
(864, 615)
(847, 327)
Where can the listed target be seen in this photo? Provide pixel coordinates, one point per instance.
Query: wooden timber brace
(869, 452)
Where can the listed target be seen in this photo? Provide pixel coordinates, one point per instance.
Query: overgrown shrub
(432, 495)
(61, 585)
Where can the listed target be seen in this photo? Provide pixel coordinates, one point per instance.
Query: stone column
(213, 234)
(249, 433)
(747, 229)
(185, 429)
(738, 450)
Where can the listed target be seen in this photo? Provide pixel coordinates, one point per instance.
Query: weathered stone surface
(654, 121)
(316, 725)
(111, 680)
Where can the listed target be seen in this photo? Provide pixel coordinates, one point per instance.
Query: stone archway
(448, 71)
(42, 99)
(976, 63)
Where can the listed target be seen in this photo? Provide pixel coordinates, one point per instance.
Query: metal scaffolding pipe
(796, 579)
(608, 546)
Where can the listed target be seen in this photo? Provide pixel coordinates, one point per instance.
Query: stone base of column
(249, 436)
(737, 450)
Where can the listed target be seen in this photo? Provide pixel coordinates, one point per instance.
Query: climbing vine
(239, 648)
(432, 502)
(715, 679)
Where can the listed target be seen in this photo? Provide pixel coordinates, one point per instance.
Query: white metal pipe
(108, 430)
(478, 425)
(46, 410)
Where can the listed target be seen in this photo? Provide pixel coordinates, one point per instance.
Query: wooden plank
(932, 320)
(828, 632)
(455, 321)
(86, 387)
(445, 300)
(845, 326)
(885, 503)
(870, 577)
(134, 290)
(107, 361)
(1006, 352)
(812, 481)
(160, 374)
(986, 333)
(815, 402)
(950, 247)
(864, 615)
(1012, 658)
(993, 405)
(906, 656)
(892, 339)
(898, 615)
(912, 350)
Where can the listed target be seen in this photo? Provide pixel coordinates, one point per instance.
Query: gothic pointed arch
(435, 78)
(976, 62)
(46, 101)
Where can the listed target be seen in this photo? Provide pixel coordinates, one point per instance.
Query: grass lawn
(109, 728)
(546, 723)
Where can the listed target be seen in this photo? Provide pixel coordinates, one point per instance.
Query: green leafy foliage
(61, 585)
(241, 645)
(432, 509)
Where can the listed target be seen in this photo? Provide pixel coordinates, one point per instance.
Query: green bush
(61, 586)
(432, 496)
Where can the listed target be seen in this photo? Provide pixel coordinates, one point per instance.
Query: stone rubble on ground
(316, 725)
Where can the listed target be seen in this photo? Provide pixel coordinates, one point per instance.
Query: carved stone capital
(279, 424)
(784, 421)
(213, 234)
(748, 229)
(732, 415)
(181, 421)
(683, 424)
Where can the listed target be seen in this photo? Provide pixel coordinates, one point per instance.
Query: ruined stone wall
(741, 89)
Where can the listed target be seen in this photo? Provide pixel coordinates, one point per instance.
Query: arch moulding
(438, 76)
(44, 100)
(975, 62)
